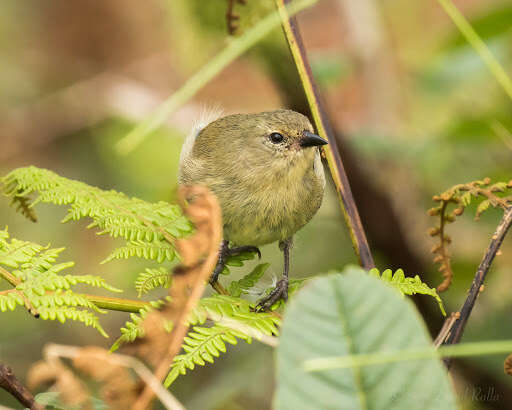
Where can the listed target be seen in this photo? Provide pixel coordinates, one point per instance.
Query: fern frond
(10, 299)
(151, 279)
(202, 345)
(149, 229)
(40, 286)
(228, 309)
(156, 250)
(407, 285)
(64, 313)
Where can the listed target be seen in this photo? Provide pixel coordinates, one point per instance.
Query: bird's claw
(278, 293)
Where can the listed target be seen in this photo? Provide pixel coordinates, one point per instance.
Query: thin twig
(454, 334)
(12, 385)
(348, 205)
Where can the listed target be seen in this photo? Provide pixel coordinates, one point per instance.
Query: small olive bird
(266, 172)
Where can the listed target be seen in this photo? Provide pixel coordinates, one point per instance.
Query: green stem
(9, 277)
(122, 305)
(339, 176)
(477, 43)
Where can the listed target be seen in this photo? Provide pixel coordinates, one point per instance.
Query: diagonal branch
(12, 385)
(454, 334)
(348, 205)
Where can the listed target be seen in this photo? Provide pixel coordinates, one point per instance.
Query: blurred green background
(414, 108)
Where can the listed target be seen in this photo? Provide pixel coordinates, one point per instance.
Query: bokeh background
(414, 109)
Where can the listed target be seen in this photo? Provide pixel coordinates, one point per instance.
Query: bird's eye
(276, 138)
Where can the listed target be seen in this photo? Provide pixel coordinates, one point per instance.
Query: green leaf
(237, 288)
(40, 283)
(200, 346)
(351, 314)
(151, 279)
(407, 285)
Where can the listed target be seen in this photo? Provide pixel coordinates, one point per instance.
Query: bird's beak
(311, 140)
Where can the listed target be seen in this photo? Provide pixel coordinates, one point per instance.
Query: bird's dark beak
(311, 140)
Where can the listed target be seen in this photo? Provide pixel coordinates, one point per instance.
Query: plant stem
(122, 305)
(348, 205)
(9, 277)
(457, 329)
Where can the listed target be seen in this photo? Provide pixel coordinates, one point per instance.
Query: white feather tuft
(208, 115)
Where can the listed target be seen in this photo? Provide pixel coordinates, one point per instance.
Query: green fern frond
(228, 309)
(10, 299)
(233, 319)
(407, 285)
(151, 279)
(156, 250)
(40, 286)
(149, 229)
(239, 287)
(202, 345)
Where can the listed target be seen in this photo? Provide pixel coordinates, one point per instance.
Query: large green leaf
(352, 314)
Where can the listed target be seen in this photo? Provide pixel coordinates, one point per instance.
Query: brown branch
(349, 208)
(454, 334)
(12, 385)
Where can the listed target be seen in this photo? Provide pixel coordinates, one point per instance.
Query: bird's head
(279, 138)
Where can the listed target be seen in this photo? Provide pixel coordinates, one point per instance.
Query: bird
(266, 172)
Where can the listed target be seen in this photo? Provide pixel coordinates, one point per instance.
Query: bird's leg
(224, 253)
(221, 262)
(281, 289)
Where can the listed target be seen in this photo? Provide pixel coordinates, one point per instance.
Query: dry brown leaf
(119, 389)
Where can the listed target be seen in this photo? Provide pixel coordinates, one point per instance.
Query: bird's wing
(208, 115)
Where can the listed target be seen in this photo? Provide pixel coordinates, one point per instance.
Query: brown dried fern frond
(461, 195)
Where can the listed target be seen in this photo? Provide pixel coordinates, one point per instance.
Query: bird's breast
(271, 208)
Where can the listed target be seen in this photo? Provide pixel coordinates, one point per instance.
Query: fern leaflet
(39, 286)
(407, 285)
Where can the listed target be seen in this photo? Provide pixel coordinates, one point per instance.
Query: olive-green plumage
(267, 188)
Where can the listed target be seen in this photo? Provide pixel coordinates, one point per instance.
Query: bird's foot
(224, 253)
(280, 292)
